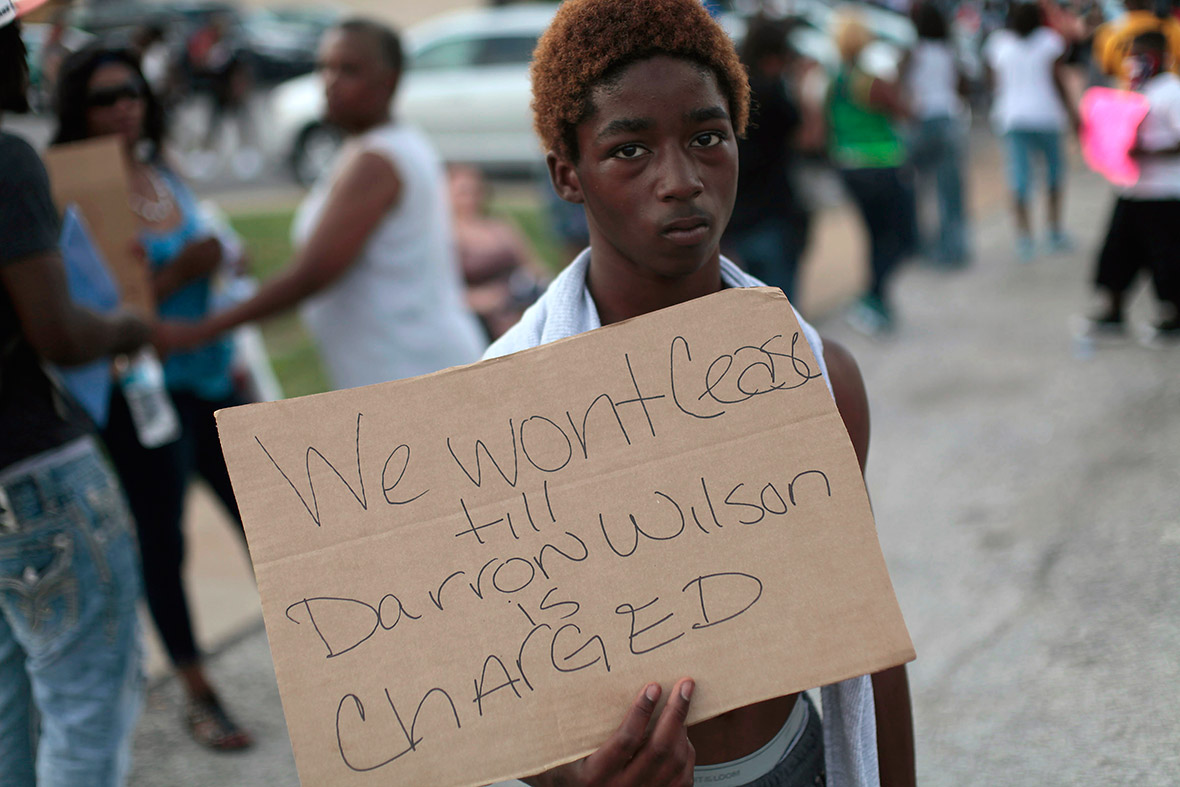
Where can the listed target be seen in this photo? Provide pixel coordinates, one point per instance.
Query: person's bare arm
(1071, 109)
(197, 260)
(895, 727)
(631, 757)
(852, 401)
(886, 96)
(891, 692)
(903, 79)
(57, 328)
(812, 135)
(1098, 48)
(365, 191)
(1067, 24)
(1140, 152)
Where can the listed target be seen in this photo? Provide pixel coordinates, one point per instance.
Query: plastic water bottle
(142, 379)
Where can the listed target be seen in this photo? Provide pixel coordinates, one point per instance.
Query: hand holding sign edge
(631, 757)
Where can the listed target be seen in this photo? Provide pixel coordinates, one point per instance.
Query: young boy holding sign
(639, 103)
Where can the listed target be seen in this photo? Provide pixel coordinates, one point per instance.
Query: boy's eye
(627, 151)
(708, 139)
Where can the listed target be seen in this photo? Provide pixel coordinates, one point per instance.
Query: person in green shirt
(862, 143)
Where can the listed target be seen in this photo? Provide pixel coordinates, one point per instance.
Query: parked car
(466, 85)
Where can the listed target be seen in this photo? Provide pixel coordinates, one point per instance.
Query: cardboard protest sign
(90, 174)
(468, 576)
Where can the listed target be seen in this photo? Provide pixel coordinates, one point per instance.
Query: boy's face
(657, 171)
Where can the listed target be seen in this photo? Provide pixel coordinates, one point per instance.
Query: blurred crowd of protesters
(103, 92)
(894, 135)
(375, 261)
(374, 267)
(399, 270)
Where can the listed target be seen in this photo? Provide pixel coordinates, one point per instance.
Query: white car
(466, 85)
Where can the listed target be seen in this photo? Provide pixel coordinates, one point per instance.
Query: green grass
(293, 354)
(533, 223)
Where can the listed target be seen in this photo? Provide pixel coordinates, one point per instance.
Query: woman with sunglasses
(102, 92)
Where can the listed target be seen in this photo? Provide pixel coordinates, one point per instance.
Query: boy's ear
(564, 178)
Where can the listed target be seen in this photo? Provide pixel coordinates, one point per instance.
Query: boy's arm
(895, 727)
(891, 691)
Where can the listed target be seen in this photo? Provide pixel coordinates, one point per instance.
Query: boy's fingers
(667, 753)
(628, 738)
(672, 719)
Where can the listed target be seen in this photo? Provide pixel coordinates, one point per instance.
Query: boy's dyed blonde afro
(590, 40)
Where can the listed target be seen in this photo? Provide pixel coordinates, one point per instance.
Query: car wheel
(314, 152)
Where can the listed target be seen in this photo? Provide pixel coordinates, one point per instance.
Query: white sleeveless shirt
(399, 310)
(933, 81)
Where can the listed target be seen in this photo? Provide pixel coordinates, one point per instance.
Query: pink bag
(1110, 124)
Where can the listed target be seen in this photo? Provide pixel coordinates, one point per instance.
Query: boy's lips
(688, 231)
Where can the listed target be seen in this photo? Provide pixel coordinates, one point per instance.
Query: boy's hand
(631, 758)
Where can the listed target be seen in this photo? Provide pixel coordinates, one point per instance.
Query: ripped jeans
(71, 663)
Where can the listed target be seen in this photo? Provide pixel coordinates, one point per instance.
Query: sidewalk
(1027, 505)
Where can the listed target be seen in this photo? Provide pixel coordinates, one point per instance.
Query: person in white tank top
(399, 310)
(375, 266)
(937, 138)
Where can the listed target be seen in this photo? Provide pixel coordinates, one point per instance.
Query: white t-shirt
(1159, 176)
(1026, 96)
(399, 310)
(932, 81)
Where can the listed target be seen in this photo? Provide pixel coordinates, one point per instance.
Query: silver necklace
(153, 211)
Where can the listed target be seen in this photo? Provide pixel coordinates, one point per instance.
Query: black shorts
(1143, 234)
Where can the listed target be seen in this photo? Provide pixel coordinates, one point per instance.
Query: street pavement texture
(1027, 492)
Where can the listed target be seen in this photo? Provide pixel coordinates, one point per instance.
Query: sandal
(211, 727)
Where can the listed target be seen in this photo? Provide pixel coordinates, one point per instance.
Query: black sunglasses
(109, 96)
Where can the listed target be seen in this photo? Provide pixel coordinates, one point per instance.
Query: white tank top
(933, 81)
(399, 311)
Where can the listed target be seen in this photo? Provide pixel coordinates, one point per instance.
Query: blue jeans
(936, 151)
(70, 649)
(1022, 144)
